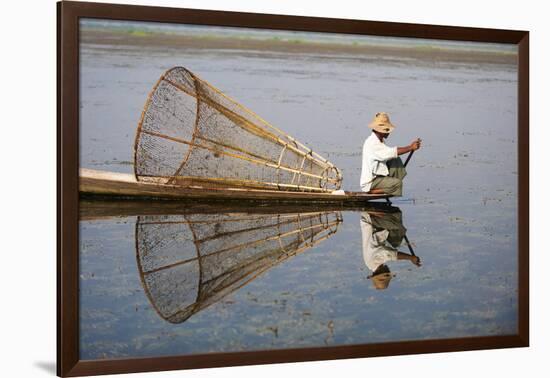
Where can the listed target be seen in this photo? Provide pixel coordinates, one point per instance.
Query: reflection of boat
(193, 141)
(93, 209)
(188, 262)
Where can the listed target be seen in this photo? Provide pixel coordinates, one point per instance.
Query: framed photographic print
(239, 188)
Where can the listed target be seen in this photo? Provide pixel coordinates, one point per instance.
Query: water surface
(187, 282)
(459, 206)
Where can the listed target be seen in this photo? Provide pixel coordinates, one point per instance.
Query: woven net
(191, 134)
(188, 262)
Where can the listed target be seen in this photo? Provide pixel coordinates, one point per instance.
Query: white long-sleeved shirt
(375, 250)
(375, 155)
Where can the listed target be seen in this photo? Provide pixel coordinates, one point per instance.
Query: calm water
(459, 210)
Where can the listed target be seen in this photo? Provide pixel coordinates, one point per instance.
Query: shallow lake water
(459, 209)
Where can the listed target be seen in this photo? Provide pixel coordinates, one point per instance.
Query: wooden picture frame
(69, 13)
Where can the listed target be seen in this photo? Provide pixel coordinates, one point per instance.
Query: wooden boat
(95, 183)
(193, 141)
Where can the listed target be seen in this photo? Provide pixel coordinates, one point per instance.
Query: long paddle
(406, 239)
(408, 158)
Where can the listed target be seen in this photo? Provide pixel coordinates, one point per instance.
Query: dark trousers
(393, 182)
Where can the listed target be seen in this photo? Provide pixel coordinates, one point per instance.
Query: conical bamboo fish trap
(191, 134)
(188, 262)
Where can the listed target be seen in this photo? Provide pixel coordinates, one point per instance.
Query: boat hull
(122, 185)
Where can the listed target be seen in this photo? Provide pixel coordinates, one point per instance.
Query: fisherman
(383, 171)
(382, 234)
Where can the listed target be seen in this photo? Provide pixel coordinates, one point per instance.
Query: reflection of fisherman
(382, 234)
(383, 171)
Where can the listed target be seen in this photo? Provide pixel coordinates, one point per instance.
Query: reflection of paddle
(408, 158)
(409, 244)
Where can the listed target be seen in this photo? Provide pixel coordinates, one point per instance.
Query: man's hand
(416, 144)
(416, 261)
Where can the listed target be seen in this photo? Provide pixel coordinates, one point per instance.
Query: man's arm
(415, 145)
(405, 256)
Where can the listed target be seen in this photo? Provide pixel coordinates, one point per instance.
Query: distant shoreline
(166, 40)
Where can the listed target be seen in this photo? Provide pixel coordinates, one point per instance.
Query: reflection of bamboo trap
(187, 263)
(192, 134)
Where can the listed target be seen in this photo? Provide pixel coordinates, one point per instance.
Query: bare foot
(376, 191)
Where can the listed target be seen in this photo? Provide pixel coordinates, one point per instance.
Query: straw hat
(381, 123)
